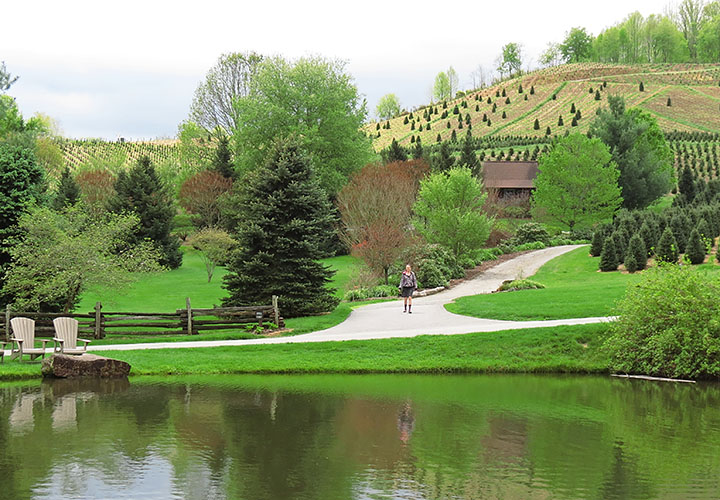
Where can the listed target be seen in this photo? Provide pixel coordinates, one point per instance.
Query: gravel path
(429, 317)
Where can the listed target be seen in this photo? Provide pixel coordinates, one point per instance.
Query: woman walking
(408, 284)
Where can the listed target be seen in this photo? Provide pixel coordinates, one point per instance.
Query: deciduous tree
(200, 195)
(577, 184)
(215, 246)
(375, 207)
(314, 100)
(449, 211)
(61, 254)
(387, 107)
(229, 79)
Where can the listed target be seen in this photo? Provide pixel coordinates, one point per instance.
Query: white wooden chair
(66, 339)
(24, 339)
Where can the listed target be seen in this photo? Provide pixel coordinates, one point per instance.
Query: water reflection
(359, 437)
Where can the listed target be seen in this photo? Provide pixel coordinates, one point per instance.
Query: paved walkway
(429, 317)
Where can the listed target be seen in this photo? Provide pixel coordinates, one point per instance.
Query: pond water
(360, 437)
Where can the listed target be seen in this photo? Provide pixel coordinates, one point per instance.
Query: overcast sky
(129, 68)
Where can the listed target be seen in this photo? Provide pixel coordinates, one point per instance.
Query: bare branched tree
(212, 106)
(6, 79)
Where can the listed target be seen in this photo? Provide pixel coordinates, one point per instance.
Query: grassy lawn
(574, 289)
(572, 349)
(166, 292)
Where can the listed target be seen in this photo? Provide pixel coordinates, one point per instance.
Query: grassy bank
(573, 289)
(571, 349)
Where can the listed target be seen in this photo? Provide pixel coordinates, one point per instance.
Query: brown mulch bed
(488, 264)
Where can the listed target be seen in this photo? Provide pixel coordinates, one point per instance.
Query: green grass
(574, 289)
(166, 292)
(163, 292)
(571, 349)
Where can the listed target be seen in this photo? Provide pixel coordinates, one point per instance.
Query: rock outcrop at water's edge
(85, 365)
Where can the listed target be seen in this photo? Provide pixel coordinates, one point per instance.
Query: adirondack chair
(66, 330)
(24, 339)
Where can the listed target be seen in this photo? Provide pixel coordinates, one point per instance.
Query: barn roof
(509, 174)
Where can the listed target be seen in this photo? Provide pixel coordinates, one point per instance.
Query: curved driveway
(429, 317)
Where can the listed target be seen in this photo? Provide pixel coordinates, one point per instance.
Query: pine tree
(679, 225)
(648, 236)
(468, 156)
(636, 255)
(444, 160)
(547, 130)
(536, 125)
(695, 249)
(418, 149)
(141, 191)
(667, 249)
(453, 136)
(520, 89)
(396, 152)
(504, 94)
(532, 90)
(641, 88)
(686, 183)
(285, 220)
(68, 192)
(620, 239)
(608, 257)
(504, 115)
(596, 244)
(560, 121)
(573, 123)
(222, 160)
(597, 95)
(669, 102)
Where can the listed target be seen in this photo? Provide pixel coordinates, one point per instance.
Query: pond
(360, 437)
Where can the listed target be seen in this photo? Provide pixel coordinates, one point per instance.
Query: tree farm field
(574, 288)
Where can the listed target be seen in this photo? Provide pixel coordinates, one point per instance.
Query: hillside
(548, 94)
(113, 155)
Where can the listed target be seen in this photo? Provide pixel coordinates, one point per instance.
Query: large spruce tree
(284, 221)
(68, 192)
(140, 190)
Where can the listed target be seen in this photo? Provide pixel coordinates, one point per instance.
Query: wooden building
(510, 178)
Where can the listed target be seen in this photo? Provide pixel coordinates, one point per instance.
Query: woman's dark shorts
(407, 291)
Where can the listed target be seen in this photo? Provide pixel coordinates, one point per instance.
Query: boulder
(85, 365)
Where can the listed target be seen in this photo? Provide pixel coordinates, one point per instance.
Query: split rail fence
(187, 321)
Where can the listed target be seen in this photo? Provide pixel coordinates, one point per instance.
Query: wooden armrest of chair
(59, 340)
(18, 341)
(86, 341)
(44, 342)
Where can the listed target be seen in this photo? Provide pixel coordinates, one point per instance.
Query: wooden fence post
(99, 331)
(7, 322)
(276, 311)
(189, 316)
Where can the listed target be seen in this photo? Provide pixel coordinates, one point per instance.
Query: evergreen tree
(418, 149)
(444, 160)
(453, 136)
(285, 220)
(396, 152)
(560, 121)
(141, 191)
(572, 108)
(636, 255)
(608, 257)
(667, 249)
(641, 88)
(597, 95)
(596, 244)
(536, 125)
(68, 192)
(648, 236)
(620, 240)
(222, 161)
(547, 130)
(468, 156)
(669, 102)
(532, 90)
(686, 184)
(695, 249)
(680, 225)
